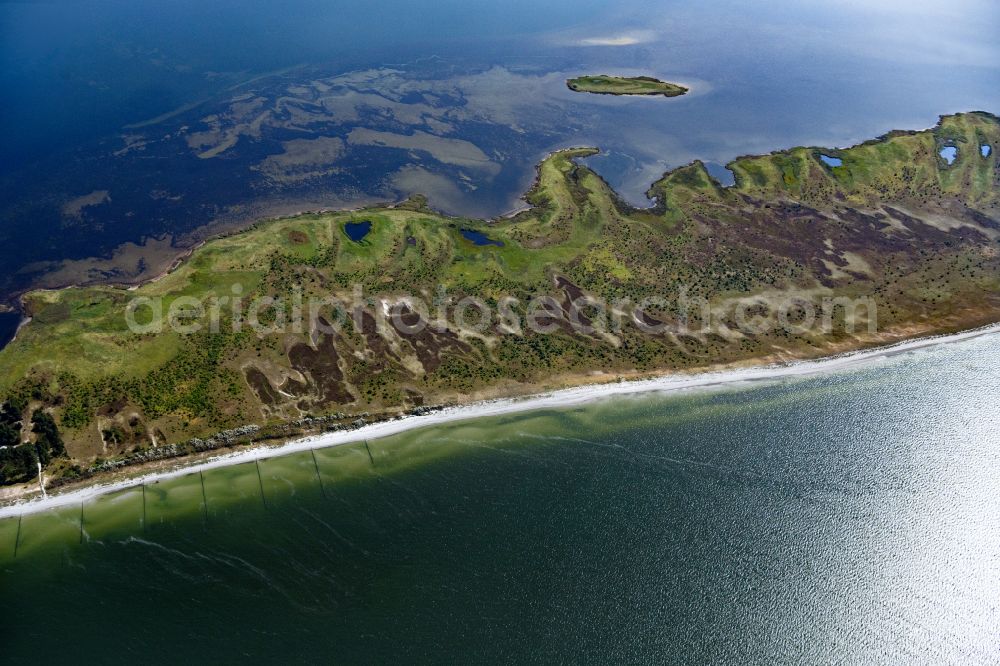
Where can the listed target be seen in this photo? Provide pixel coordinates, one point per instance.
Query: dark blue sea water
(9, 321)
(75, 72)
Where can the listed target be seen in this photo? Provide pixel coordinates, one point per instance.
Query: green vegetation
(625, 85)
(19, 460)
(892, 223)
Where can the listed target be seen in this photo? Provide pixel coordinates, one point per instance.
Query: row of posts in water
(204, 497)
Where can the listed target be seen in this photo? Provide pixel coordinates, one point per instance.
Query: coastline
(278, 435)
(705, 379)
(14, 301)
(224, 226)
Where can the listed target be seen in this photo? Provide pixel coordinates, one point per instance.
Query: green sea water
(847, 517)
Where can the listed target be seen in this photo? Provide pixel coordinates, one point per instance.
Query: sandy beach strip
(561, 398)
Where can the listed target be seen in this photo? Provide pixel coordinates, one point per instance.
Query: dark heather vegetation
(892, 221)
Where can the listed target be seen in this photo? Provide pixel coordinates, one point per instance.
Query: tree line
(19, 459)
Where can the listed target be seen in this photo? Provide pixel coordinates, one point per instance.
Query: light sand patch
(444, 150)
(244, 106)
(856, 264)
(345, 106)
(438, 126)
(488, 96)
(224, 131)
(501, 96)
(226, 141)
(74, 207)
(377, 95)
(165, 116)
(301, 118)
(302, 159)
(129, 263)
(228, 138)
(441, 191)
(132, 142)
(361, 76)
(945, 223)
(212, 136)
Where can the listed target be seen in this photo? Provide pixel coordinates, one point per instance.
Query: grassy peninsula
(891, 222)
(604, 84)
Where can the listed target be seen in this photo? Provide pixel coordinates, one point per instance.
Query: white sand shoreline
(499, 407)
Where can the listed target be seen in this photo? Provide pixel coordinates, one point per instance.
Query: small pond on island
(479, 238)
(357, 230)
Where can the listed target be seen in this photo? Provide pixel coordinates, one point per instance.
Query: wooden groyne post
(261, 482)
(318, 477)
(17, 539)
(204, 500)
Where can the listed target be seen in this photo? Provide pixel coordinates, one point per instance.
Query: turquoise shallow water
(850, 516)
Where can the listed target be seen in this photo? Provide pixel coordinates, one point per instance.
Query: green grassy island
(625, 85)
(888, 220)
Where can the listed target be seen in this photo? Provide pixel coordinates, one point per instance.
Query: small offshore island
(888, 220)
(604, 84)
